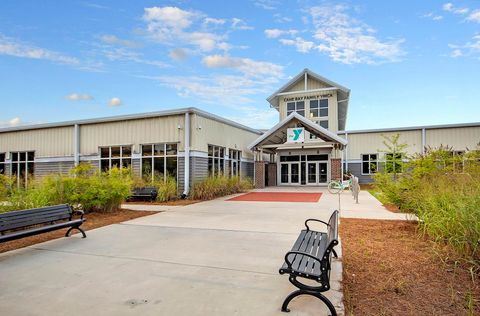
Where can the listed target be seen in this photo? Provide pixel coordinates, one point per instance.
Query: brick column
(272, 174)
(259, 174)
(336, 168)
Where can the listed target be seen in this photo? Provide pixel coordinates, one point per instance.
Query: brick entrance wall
(272, 174)
(259, 174)
(336, 168)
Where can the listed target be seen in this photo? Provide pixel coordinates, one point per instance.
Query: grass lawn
(390, 270)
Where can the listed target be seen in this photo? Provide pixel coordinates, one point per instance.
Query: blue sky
(406, 62)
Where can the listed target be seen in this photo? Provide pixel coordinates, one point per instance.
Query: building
(309, 145)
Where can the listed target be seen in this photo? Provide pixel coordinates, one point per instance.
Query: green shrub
(444, 192)
(93, 190)
(217, 186)
(6, 185)
(167, 190)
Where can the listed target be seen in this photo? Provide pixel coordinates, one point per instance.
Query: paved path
(212, 258)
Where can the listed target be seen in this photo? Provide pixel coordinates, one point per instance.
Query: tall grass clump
(216, 186)
(92, 190)
(444, 192)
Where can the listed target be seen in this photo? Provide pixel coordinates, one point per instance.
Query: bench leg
(325, 300)
(67, 234)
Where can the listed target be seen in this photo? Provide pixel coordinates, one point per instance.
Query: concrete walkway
(212, 258)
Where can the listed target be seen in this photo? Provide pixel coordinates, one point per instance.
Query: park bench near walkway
(310, 258)
(25, 223)
(145, 193)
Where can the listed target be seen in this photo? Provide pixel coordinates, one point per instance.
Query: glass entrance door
(295, 173)
(317, 172)
(312, 172)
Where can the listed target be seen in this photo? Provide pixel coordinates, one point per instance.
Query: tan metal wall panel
(459, 138)
(299, 86)
(48, 142)
(369, 143)
(132, 132)
(207, 131)
(315, 84)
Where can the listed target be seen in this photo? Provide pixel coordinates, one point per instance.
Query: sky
(407, 62)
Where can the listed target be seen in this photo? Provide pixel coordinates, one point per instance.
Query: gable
(312, 84)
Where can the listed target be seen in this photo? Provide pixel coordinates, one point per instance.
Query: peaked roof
(309, 125)
(343, 94)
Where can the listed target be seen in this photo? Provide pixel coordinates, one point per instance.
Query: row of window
(21, 165)
(217, 161)
(318, 109)
(392, 163)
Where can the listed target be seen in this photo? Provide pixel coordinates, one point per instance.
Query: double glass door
(304, 170)
(317, 172)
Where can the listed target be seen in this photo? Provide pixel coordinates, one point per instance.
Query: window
(115, 156)
(216, 160)
(319, 108)
(393, 163)
(369, 163)
(323, 123)
(298, 107)
(235, 156)
(159, 161)
(22, 166)
(2, 163)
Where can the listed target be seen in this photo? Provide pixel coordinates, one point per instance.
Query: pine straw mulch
(390, 270)
(93, 220)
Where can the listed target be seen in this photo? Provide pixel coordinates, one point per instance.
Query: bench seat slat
(34, 221)
(38, 230)
(21, 215)
(41, 218)
(34, 210)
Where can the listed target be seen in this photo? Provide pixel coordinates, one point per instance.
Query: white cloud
(214, 21)
(114, 40)
(267, 4)
(262, 118)
(301, 45)
(11, 122)
(274, 33)
(474, 16)
(227, 90)
(239, 24)
(13, 47)
(178, 54)
(348, 40)
(79, 97)
(246, 66)
(432, 16)
(472, 47)
(123, 54)
(172, 25)
(449, 7)
(115, 102)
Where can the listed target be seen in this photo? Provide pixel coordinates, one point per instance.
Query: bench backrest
(332, 231)
(145, 190)
(34, 216)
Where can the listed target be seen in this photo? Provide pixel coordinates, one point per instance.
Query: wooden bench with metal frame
(145, 193)
(25, 223)
(310, 258)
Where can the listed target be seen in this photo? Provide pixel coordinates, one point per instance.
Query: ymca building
(309, 146)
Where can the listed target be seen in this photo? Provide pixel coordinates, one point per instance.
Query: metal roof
(410, 128)
(117, 118)
(307, 123)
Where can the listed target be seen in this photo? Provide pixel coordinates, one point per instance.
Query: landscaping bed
(94, 220)
(390, 270)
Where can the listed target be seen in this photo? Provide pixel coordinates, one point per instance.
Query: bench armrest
(314, 220)
(289, 263)
(81, 212)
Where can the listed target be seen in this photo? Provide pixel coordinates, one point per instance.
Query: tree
(395, 152)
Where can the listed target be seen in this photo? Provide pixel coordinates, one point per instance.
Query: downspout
(76, 144)
(346, 153)
(187, 156)
(424, 140)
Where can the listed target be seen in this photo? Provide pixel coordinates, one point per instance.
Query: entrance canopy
(276, 137)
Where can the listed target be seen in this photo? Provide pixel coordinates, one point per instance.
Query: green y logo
(296, 133)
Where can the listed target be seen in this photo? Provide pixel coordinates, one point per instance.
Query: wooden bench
(310, 258)
(145, 193)
(24, 223)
